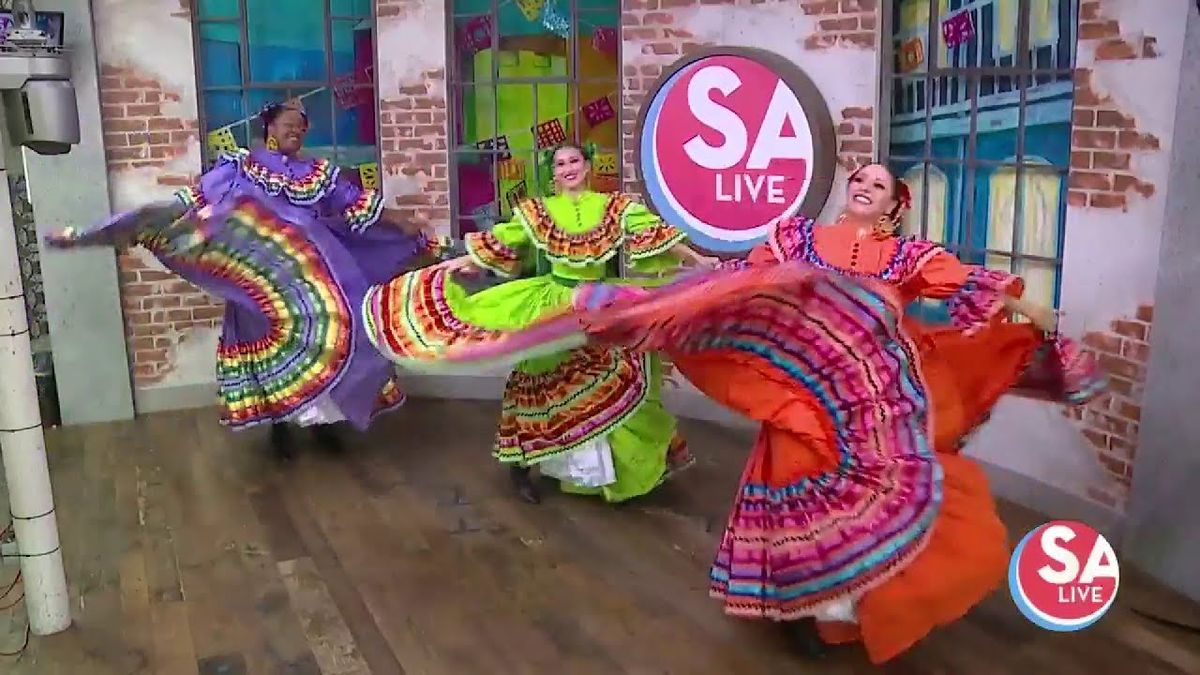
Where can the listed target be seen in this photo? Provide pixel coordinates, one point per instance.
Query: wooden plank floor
(190, 552)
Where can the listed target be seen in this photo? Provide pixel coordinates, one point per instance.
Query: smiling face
(570, 169)
(870, 193)
(288, 129)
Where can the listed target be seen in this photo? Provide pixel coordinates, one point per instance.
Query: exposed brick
(1112, 118)
(137, 135)
(1104, 200)
(1094, 138)
(1113, 50)
(1109, 160)
(1110, 422)
(1098, 30)
(1090, 181)
(1102, 129)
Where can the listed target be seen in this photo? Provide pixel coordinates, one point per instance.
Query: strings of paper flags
(957, 30)
(476, 34)
(548, 134)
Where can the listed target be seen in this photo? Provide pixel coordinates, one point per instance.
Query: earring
(272, 144)
(886, 226)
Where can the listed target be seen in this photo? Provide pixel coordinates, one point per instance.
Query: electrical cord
(8, 591)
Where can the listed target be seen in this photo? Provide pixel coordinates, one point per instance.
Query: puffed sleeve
(214, 183)
(501, 250)
(359, 207)
(974, 295)
(648, 240)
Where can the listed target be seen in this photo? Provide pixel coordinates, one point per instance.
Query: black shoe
(327, 438)
(281, 442)
(526, 490)
(803, 635)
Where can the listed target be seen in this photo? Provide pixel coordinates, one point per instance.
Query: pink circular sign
(730, 143)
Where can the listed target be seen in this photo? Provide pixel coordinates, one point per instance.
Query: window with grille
(251, 52)
(526, 74)
(979, 99)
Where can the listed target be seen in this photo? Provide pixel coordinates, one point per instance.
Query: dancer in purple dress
(291, 247)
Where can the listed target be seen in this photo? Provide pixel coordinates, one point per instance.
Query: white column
(24, 447)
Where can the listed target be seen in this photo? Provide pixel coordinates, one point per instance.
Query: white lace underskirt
(589, 465)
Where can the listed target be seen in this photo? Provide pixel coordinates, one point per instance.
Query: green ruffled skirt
(553, 404)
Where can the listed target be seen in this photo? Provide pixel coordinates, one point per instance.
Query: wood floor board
(190, 550)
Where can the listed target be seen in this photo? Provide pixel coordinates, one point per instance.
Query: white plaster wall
(1110, 256)
(154, 37)
(409, 45)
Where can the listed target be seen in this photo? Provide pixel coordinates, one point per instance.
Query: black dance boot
(327, 437)
(526, 490)
(281, 441)
(805, 639)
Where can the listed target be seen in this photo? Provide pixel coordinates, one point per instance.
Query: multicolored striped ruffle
(303, 190)
(981, 298)
(593, 391)
(581, 249)
(409, 321)
(309, 334)
(190, 196)
(792, 548)
(488, 252)
(652, 241)
(792, 239)
(364, 211)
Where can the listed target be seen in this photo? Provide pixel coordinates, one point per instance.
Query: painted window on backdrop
(980, 126)
(251, 52)
(526, 74)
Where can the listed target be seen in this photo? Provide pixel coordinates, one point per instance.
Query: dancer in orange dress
(856, 519)
(968, 365)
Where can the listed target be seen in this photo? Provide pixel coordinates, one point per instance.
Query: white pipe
(24, 447)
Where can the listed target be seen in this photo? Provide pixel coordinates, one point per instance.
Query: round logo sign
(731, 141)
(1063, 576)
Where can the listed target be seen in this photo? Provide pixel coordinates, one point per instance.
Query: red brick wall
(1112, 421)
(1106, 142)
(856, 137)
(414, 130)
(842, 22)
(652, 40)
(139, 134)
(1106, 138)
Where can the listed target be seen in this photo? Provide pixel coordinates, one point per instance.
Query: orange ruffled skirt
(964, 558)
(853, 495)
(967, 374)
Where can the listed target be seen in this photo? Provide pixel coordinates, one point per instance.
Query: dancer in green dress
(591, 417)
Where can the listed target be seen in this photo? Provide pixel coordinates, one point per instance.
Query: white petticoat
(321, 411)
(589, 465)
